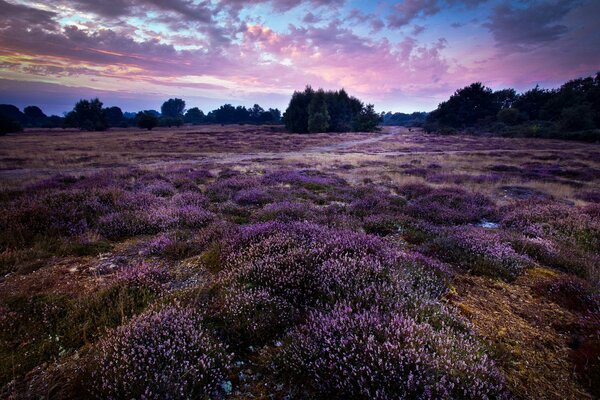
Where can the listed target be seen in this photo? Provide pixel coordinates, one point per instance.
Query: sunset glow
(401, 56)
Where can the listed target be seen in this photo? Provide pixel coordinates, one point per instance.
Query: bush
(146, 120)
(479, 251)
(448, 205)
(346, 353)
(160, 354)
(9, 126)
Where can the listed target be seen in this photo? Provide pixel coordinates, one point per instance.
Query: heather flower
(285, 211)
(164, 354)
(350, 353)
(449, 206)
(254, 315)
(480, 251)
(191, 216)
(253, 197)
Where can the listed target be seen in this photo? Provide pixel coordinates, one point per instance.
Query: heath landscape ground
(241, 261)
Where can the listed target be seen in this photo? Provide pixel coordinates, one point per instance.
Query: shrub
(254, 316)
(9, 126)
(304, 263)
(368, 354)
(146, 120)
(479, 251)
(285, 211)
(448, 205)
(160, 354)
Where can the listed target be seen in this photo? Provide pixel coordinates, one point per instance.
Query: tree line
(416, 119)
(569, 112)
(91, 115)
(328, 111)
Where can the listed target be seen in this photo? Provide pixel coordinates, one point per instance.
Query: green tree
(367, 120)
(295, 117)
(318, 116)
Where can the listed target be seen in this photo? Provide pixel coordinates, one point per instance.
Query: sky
(399, 55)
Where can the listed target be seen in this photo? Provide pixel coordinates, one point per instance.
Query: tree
(87, 115)
(466, 107)
(8, 125)
(146, 120)
(318, 116)
(34, 116)
(295, 117)
(114, 117)
(532, 102)
(510, 116)
(194, 116)
(577, 118)
(367, 120)
(173, 108)
(10, 112)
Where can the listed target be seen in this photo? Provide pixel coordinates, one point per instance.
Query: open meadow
(241, 261)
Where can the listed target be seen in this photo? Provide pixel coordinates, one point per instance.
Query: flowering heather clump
(345, 353)
(253, 197)
(225, 189)
(253, 315)
(554, 221)
(448, 206)
(193, 216)
(121, 225)
(305, 178)
(160, 188)
(189, 198)
(304, 263)
(479, 251)
(285, 211)
(158, 355)
(144, 275)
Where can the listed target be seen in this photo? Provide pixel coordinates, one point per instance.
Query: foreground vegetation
(254, 278)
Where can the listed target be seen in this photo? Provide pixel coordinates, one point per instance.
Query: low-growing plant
(347, 353)
(160, 354)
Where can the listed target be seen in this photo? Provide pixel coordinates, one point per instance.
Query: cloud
(408, 10)
(518, 29)
(16, 14)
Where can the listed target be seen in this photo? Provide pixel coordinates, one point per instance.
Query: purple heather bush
(191, 216)
(254, 316)
(164, 354)
(255, 196)
(555, 221)
(447, 206)
(304, 263)
(225, 189)
(285, 211)
(348, 353)
(189, 198)
(305, 178)
(160, 188)
(479, 251)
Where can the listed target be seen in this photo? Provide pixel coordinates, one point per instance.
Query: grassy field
(242, 261)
